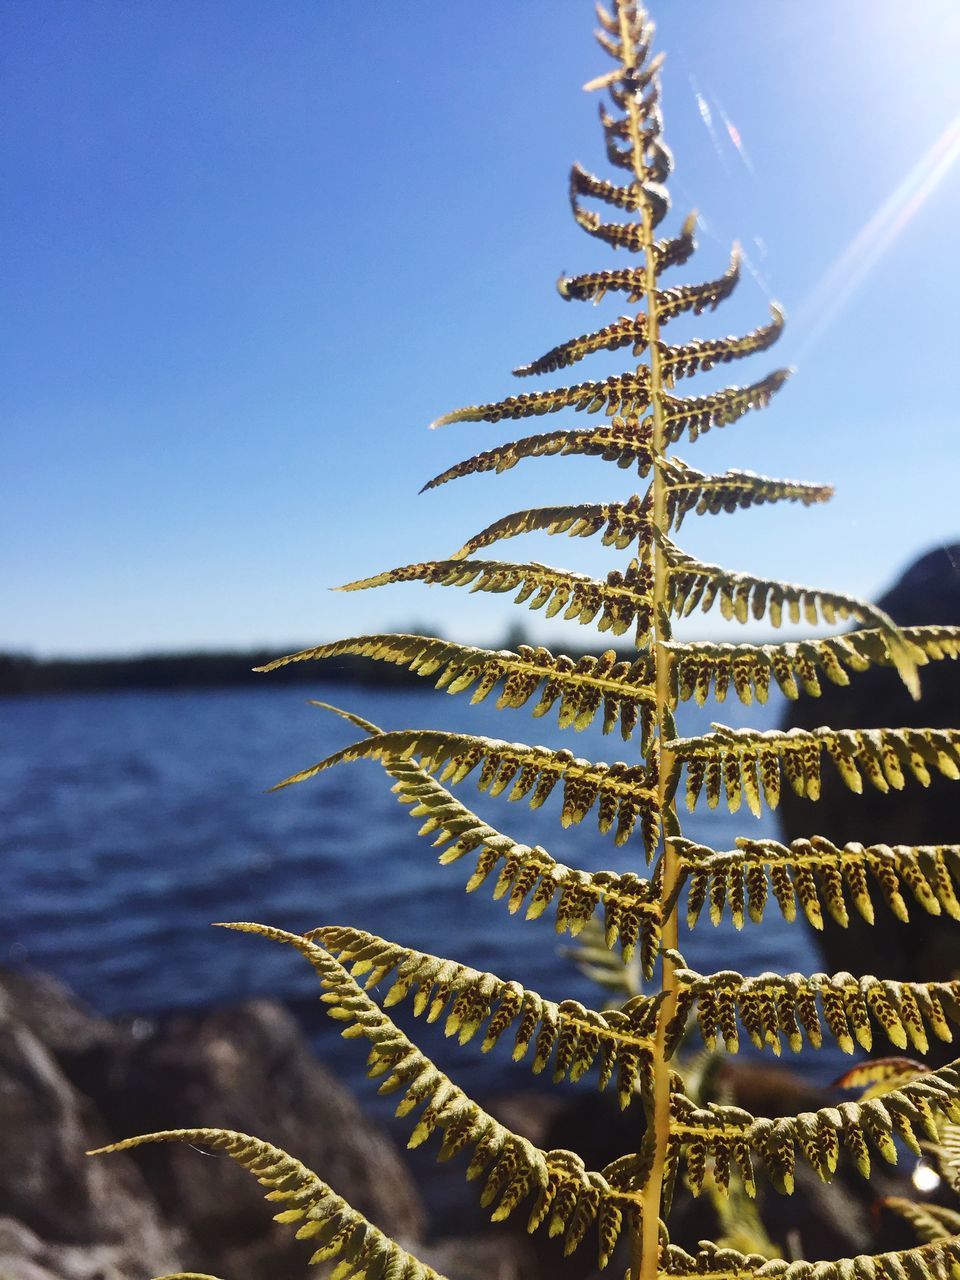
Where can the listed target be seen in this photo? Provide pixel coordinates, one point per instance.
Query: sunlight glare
(848, 272)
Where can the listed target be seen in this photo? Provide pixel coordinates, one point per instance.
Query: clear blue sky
(251, 249)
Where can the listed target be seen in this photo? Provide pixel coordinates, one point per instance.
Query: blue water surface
(131, 821)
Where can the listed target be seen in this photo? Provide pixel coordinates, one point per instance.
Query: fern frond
(691, 583)
(729, 1135)
(592, 286)
(937, 1261)
(621, 792)
(625, 442)
(621, 600)
(931, 1222)
(818, 874)
(326, 1218)
(628, 331)
(731, 758)
(582, 687)
(583, 183)
(772, 1005)
(656, 157)
(620, 393)
(574, 1038)
(530, 876)
(697, 298)
(526, 874)
(626, 522)
(701, 667)
(690, 490)
(640, 30)
(623, 523)
(569, 1198)
(631, 235)
(695, 415)
(701, 356)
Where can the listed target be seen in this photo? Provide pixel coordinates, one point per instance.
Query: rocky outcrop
(70, 1081)
(65, 1216)
(925, 949)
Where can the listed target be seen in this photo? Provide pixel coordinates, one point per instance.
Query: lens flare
(847, 273)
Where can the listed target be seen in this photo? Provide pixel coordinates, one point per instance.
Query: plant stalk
(645, 1242)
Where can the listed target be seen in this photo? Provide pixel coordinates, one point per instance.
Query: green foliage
(719, 1147)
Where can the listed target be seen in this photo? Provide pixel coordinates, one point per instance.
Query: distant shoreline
(22, 675)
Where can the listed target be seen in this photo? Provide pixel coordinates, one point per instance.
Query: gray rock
(494, 1256)
(251, 1069)
(24, 1256)
(58, 1195)
(70, 1080)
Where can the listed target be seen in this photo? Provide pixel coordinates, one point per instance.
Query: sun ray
(848, 272)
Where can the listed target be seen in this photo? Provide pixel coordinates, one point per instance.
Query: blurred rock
(70, 1081)
(251, 1069)
(74, 1207)
(926, 948)
(496, 1255)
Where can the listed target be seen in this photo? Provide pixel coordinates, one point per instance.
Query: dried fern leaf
(570, 1037)
(731, 1135)
(628, 331)
(700, 668)
(656, 196)
(690, 490)
(773, 1005)
(621, 792)
(593, 286)
(620, 393)
(338, 1230)
(623, 523)
(530, 877)
(632, 77)
(625, 442)
(695, 415)
(633, 237)
(639, 28)
(931, 1222)
(581, 687)
(820, 876)
(583, 183)
(937, 1261)
(569, 1198)
(741, 596)
(701, 356)
(885, 757)
(621, 600)
(697, 298)
(652, 156)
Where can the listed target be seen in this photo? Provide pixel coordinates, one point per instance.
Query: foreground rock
(70, 1081)
(66, 1217)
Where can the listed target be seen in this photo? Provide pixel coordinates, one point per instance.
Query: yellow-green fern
(640, 418)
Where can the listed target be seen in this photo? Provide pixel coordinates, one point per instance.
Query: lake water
(130, 821)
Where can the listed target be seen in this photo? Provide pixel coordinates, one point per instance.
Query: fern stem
(645, 1242)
